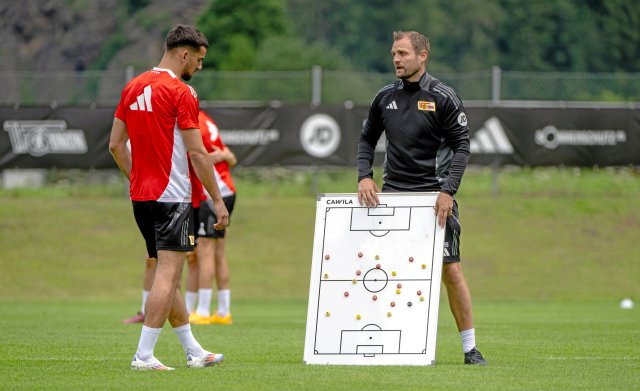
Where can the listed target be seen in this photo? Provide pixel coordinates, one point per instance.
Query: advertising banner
(66, 137)
(298, 135)
(555, 136)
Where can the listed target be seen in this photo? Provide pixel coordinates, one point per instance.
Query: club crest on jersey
(426, 105)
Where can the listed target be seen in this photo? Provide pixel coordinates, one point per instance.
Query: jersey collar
(169, 71)
(423, 83)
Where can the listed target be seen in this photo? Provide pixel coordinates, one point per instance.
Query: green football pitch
(548, 260)
(529, 345)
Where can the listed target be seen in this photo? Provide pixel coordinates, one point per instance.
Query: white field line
(591, 358)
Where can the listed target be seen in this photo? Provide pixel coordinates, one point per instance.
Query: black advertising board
(78, 137)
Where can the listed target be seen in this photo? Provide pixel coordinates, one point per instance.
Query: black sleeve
(456, 134)
(371, 132)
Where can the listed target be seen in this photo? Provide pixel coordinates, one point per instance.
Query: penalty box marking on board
(381, 219)
(369, 341)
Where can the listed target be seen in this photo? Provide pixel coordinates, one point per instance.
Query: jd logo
(38, 138)
(320, 135)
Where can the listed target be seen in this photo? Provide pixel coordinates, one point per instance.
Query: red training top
(211, 139)
(155, 106)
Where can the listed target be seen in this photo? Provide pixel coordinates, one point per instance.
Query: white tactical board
(375, 281)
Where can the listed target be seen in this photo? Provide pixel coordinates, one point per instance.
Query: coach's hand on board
(368, 193)
(222, 215)
(443, 208)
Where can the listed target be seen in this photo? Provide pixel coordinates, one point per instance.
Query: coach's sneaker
(217, 319)
(152, 364)
(196, 318)
(137, 318)
(206, 359)
(474, 357)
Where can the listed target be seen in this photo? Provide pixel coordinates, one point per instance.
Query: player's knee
(150, 263)
(192, 260)
(452, 273)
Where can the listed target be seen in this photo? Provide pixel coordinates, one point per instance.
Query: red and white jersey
(155, 106)
(211, 139)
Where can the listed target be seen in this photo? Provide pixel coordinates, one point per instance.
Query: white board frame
(349, 267)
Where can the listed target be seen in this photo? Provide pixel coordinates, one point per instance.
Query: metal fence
(318, 86)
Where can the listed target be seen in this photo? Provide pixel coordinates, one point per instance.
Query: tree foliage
(618, 25)
(285, 53)
(250, 35)
(570, 35)
(236, 28)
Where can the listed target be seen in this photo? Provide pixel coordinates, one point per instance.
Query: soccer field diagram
(375, 281)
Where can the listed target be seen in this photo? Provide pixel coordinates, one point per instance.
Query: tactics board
(375, 281)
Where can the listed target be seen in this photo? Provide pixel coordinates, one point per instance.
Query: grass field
(547, 260)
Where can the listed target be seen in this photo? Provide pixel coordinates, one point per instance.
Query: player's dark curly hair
(185, 35)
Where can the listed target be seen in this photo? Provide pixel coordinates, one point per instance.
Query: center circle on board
(375, 280)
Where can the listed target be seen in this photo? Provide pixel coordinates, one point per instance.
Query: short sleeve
(188, 108)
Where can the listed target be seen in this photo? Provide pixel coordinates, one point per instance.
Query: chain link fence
(318, 86)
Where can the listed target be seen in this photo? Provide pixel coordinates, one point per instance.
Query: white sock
(145, 296)
(204, 302)
(224, 302)
(190, 301)
(188, 341)
(147, 342)
(468, 339)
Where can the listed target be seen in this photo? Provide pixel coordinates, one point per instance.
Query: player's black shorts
(165, 225)
(207, 218)
(196, 221)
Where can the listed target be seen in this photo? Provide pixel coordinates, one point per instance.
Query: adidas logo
(144, 101)
(392, 105)
(491, 138)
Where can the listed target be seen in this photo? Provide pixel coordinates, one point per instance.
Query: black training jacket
(427, 136)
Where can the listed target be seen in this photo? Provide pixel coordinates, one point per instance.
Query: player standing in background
(149, 272)
(197, 196)
(427, 150)
(211, 254)
(159, 114)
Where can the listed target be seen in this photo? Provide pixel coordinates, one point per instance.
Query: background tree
(361, 31)
(571, 35)
(462, 33)
(236, 28)
(616, 44)
(284, 53)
